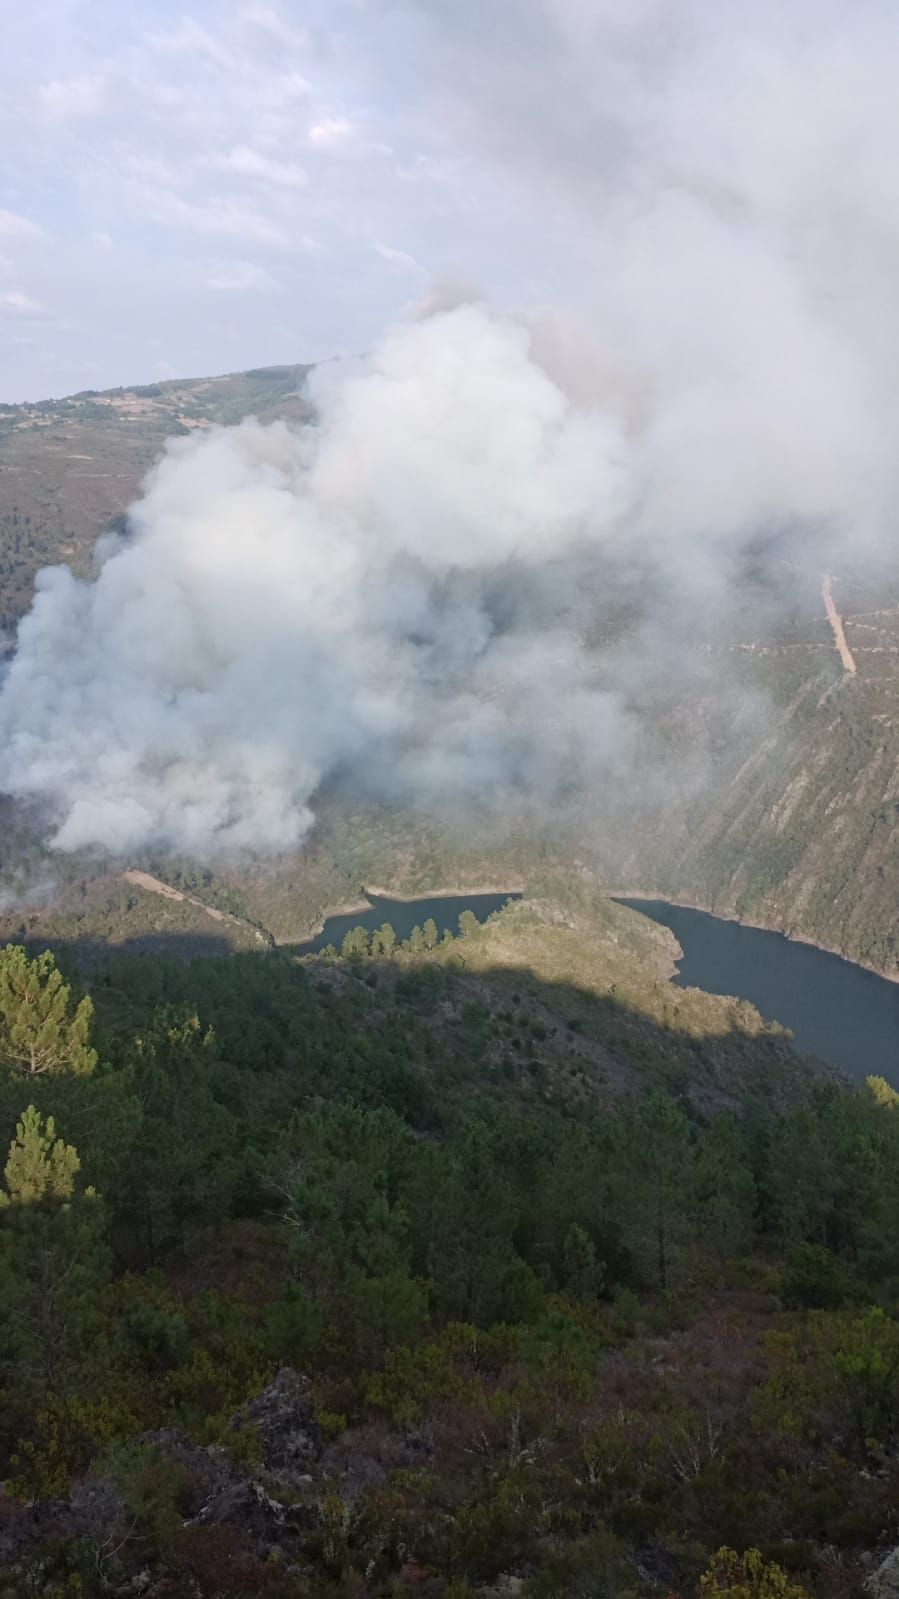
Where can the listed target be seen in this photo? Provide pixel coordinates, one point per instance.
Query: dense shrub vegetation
(597, 1344)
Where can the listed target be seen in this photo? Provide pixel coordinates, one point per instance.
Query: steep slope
(803, 833)
(70, 468)
(506, 1268)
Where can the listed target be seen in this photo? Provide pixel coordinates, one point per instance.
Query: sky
(197, 188)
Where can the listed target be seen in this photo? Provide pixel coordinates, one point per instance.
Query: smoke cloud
(406, 594)
(290, 604)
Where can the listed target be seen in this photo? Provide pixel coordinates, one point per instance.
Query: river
(404, 914)
(835, 1009)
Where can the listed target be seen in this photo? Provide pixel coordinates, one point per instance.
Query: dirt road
(833, 617)
(154, 885)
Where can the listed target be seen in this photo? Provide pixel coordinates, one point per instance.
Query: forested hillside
(500, 1267)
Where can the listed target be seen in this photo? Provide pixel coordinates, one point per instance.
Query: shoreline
(337, 910)
(638, 894)
(440, 893)
(359, 906)
(760, 927)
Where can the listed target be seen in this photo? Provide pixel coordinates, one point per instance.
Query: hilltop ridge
(70, 468)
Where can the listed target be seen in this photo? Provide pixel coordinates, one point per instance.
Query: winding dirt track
(833, 617)
(153, 885)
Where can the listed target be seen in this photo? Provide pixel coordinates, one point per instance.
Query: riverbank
(355, 908)
(471, 892)
(375, 891)
(364, 907)
(746, 921)
(836, 1009)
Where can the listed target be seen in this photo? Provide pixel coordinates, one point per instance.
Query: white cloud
(245, 162)
(14, 226)
(293, 86)
(397, 258)
(271, 21)
(19, 304)
(331, 133)
(215, 215)
(238, 276)
(63, 98)
(563, 150)
(189, 38)
(179, 132)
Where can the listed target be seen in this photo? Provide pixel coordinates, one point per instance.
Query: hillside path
(835, 620)
(155, 885)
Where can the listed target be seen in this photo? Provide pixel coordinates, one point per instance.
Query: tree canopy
(40, 1165)
(41, 1030)
(575, 1331)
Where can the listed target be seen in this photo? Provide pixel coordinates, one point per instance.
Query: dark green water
(836, 1010)
(403, 915)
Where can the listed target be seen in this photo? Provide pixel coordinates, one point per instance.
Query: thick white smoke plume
(294, 603)
(407, 592)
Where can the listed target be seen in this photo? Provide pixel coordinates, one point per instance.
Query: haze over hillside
(739, 765)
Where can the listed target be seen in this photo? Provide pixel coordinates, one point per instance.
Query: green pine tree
(467, 1212)
(724, 1190)
(53, 1263)
(582, 1273)
(654, 1181)
(40, 1165)
(383, 942)
(748, 1576)
(883, 1093)
(184, 1155)
(349, 1231)
(41, 1031)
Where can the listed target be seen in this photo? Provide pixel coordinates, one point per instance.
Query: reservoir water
(404, 914)
(834, 1009)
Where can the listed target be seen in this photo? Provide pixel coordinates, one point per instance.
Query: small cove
(834, 1008)
(404, 914)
